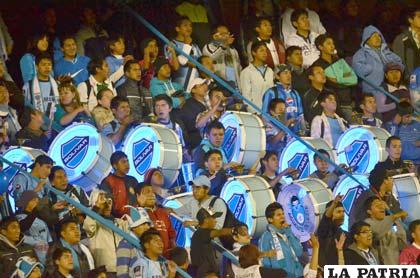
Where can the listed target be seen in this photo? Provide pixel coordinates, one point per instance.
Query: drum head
(145, 149)
(233, 136)
(183, 235)
(300, 157)
(299, 210)
(406, 190)
(350, 190)
(359, 148)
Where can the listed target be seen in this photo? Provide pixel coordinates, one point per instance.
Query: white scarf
(277, 245)
(37, 96)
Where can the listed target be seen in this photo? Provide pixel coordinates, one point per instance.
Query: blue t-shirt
(46, 93)
(335, 130)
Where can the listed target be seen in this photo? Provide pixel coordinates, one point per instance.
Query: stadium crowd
(317, 72)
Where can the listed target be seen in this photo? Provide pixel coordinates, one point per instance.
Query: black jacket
(9, 255)
(405, 47)
(353, 256)
(188, 116)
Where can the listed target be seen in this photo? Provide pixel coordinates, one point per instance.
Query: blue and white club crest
(237, 205)
(300, 162)
(142, 155)
(74, 151)
(229, 141)
(358, 155)
(351, 195)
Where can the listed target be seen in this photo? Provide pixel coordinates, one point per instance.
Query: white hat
(94, 195)
(137, 217)
(196, 81)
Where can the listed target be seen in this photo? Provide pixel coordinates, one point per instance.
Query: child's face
(243, 236)
(393, 76)
(118, 47)
(162, 109)
(406, 119)
(285, 77)
(184, 29)
(296, 58)
(105, 101)
(214, 163)
(369, 105)
(261, 53)
(165, 71)
(321, 165)
(279, 109)
(330, 104)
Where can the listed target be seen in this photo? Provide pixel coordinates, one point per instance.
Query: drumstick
(347, 149)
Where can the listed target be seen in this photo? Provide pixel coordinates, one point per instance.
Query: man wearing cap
(201, 198)
(103, 242)
(35, 180)
(119, 185)
(202, 253)
(195, 105)
(12, 246)
(9, 124)
(283, 90)
(27, 267)
(408, 129)
(128, 256)
(162, 83)
(381, 186)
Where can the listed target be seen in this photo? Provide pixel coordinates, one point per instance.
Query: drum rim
(321, 182)
(26, 149)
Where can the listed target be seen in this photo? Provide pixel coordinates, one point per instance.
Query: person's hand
(127, 120)
(128, 58)
(397, 119)
(402, 214)
(339, 244)
(59, 205)
(190, 223)
(338, 199)
(290, 122)
(216, 106)
(32, 204)
(231, 165)
(170, 48)
(332, 79)
(314, 241)
(172, 268)
(64, 78)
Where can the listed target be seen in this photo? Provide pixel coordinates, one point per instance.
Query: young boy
(116, 60)
(322, 172)
(258, 76)
(42, 91)
(283, 90)
(162, 84)
(119, 185)
(367, 117)
(303, 37)
(328, 125)
(202, 252)
(275, 48)
(152, 264)
(215, 170)
(407, 129)
(187, 71)
(275, 137)
(71, 63)
(63, 262)
(102, 113)
(294, 60)
(387, 239)
(119, 126)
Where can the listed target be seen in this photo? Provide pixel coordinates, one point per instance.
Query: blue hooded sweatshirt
(370, 63)
(159, 87)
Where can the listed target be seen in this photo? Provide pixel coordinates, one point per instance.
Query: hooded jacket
(10, 253)
(354, 256)
(168, 87)
(369, 63)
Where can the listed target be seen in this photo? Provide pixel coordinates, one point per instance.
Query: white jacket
(316, 127)
(254, 84)
(287, 28)
(309, 51)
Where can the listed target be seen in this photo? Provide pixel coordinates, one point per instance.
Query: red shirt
(146, 74)
(163, 224)
(410, 254)
(122, 191)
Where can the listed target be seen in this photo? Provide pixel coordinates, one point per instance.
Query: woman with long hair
(71, 109)
(36, 45)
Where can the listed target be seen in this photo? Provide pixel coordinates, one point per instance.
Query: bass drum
(407, 191)
(300, 157)
(84, 154)
(350, 190)
(183, 235)
(247, 198)
(362, 147)
(304, 203)
(244, 137)
(153, 146)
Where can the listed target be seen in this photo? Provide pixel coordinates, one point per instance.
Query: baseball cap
(280, 68)
(201, 181)
(41, 160)
(196, 81)
(25, 265)
(137, 217)
(206, 213)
